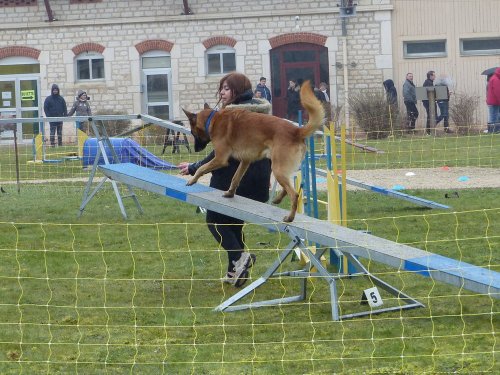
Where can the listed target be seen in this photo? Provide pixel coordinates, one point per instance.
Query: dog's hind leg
(285, 161)
(235, 182)
(284, 181)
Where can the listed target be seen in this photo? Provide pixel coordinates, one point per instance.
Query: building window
(17, 3)
(84, 1)
(480, 46)
(155, 59)
(424, 48)
(220, 60)
(89, 66)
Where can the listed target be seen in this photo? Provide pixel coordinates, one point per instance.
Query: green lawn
(399, 152)
(99, 294)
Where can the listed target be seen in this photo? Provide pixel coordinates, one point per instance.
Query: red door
(298, 61)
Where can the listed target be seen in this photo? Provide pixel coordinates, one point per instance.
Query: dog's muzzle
(199, 145)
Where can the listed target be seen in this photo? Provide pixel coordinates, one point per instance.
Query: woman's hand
(183, 168)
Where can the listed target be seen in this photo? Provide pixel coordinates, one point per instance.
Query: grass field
(100, 294)
(400, 152)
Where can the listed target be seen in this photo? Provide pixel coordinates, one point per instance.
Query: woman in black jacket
(235, 92)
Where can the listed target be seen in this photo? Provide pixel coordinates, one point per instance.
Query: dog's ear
(206, 106)
(190, 116)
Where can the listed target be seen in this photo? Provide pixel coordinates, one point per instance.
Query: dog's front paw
(190, 182)
(228, 194)
(288, 218)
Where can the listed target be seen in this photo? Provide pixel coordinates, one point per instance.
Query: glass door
(8, 105)
(300, 62)
(157, 93)
(20, 98)
(30, 100)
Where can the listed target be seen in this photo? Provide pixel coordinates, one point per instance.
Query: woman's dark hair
(238, 83)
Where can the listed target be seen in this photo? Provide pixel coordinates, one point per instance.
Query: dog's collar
(207, 123)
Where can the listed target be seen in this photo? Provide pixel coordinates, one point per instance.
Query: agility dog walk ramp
(305, 229)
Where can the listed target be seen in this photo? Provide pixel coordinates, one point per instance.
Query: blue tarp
(128, 151)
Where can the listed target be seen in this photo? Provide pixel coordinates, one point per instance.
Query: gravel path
(430, 178)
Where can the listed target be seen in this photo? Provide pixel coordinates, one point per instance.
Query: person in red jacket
(493, 100)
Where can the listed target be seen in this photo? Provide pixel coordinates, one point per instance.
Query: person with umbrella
(493, 102)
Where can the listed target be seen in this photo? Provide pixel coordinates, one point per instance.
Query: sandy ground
(420, 178)
(417, 178)
(430, 178)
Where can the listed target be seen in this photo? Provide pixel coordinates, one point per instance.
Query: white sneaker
(241, 267)
(229, 278)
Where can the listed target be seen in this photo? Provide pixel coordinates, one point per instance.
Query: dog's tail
(313, 107)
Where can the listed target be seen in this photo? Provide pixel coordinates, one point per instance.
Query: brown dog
(250, 136)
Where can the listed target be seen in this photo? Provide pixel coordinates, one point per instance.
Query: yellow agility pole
(82, 137)
(38, 149)
(333, 182)
(344, 179)
(345, 261)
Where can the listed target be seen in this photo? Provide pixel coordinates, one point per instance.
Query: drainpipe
(49, 11)
(187, 10)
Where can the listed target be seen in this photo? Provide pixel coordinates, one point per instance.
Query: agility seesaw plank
(399, 256)
(389, 192)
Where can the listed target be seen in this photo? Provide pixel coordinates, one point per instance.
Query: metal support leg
(103, 142)
(322, 272)
(227, 305)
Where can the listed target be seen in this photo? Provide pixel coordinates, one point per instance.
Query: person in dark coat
(235, 92)
(264, 90)
(55, 106)
(410, 100)
(292, 100)
(391, 93)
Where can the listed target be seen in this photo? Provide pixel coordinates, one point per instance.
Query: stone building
(156, 56)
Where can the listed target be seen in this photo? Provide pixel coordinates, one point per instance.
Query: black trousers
(56, 127)
(412, 114)
(228, 232)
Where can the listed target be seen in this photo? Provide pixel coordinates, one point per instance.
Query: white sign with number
(373, 298)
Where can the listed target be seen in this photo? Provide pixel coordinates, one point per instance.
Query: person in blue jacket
(264, 90)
